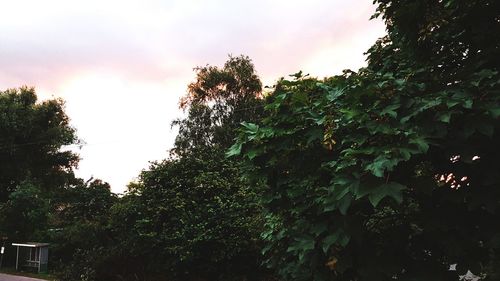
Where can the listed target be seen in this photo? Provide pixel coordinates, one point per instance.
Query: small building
(32, 255)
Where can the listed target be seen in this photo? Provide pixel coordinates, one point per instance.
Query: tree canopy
(33, 168)
(194, 215)
(217, 102)
(388, 172)
(31, 136)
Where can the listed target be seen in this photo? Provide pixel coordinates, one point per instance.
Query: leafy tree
(81, 236)
(33, 168)
(217, 102)
(31, 136)
(193, 216)
(25, 214)
(199, 219)
(388, 172)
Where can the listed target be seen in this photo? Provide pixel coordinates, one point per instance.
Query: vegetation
(31, 136)
(33, 168)
(195, 217)
(386, 173)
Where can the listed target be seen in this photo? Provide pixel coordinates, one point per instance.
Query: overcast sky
(122, 65)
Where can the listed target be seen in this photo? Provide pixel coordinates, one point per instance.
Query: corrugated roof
(31, 244)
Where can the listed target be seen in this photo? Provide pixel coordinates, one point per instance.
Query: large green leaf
(391, 189)
(235, 149)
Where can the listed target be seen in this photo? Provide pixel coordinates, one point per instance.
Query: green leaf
(302, 244)
(344, 204)
(320, 120)
(251, 154)
(251, 128)
(319, 228)
(380, 165)
(339, 237)
(314, 134)
(421, 143)
(468, 104)
(391, 189)
(340, 191)
(452, 103)
(399, 82)
(448, 3)
(300, 98)
(342, 185)
(363, 190)
(333, 94)
(344, 239)
(406, 153)
(405, 119)
(444, 117)
(390, 110)
(329, 240)
(235, 149)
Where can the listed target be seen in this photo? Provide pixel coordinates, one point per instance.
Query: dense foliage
(389, 172)
(192, 216)
(217, 102)
(33, 169)
(199, 218)
(31, 136)
(386, 173)
(25, 214)
(81, 238)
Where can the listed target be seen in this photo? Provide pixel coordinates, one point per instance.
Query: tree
(81, 236)
(199, 218)
(33, 168)
(388, 172)
(217, 102)
(195, 217)
(25, 214)
(31, 137)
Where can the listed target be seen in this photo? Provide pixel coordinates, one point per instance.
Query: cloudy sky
(122, 65)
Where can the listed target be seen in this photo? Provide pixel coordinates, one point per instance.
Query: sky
(122, 66)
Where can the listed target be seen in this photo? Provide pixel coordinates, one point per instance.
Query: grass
(12, 271)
